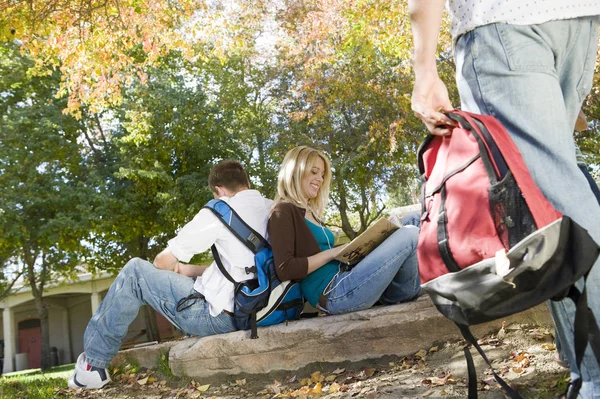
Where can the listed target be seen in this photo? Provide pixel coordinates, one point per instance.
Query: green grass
(34, 384)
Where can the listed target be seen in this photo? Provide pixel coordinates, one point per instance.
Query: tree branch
(7, 290)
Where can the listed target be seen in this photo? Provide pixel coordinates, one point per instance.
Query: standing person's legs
(389, 273)
(533, 79)
(140, 283)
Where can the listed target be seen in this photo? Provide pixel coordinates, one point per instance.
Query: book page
(367, 241)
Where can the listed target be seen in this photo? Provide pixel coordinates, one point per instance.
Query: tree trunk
(343, 209)
(38, 297)
(42, 309)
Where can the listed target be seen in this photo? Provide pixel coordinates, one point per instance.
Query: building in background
(71, 305)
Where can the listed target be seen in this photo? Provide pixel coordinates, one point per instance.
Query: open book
(368, 240)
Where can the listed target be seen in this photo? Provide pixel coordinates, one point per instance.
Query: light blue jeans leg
(412, 219)
(140, 283)
(389, 273)
(533, 79)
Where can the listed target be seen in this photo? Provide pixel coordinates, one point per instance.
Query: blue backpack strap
(246, 234)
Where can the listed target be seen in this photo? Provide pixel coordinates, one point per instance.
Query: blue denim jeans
(140, 283)
(533, 79)
(388, 274)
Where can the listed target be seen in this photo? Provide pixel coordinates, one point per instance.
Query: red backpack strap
(542, 211)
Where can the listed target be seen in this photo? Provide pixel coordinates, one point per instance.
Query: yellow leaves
(316, 377)
(203, 388)
(305, 381)
(143, 381)
(333, 388)
(549, 347)
(523, 361)
(90, 42)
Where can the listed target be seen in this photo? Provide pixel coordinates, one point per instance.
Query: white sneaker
(87, 376)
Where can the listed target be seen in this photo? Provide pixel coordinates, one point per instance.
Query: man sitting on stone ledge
(199, 307)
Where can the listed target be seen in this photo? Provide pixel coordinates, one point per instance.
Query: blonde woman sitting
(303, 246)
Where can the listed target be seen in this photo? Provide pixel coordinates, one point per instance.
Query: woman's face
(313, 178)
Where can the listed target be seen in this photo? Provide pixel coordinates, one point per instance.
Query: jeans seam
(488, 109)
(591, 42)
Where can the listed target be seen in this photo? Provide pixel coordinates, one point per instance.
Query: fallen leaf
(502, 331)
(406, 364)
(490, 381)
(316, 376)
(143, 381)
(338, 371)
(370, 372)
(516, 370)
(330, 378)
(433, 349)
(203, 388)
(421, 354)
(335, 387)
(548, 347)
(305, 381)
(275, 389)
(317, 389)
(289, 380)
(151, 380)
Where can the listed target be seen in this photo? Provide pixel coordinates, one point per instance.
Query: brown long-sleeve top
(291, 240)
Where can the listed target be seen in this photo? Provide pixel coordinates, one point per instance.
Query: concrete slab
(371, 334)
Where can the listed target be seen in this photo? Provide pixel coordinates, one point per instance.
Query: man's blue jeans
(388, 274)
(140, 283)
(533, 79)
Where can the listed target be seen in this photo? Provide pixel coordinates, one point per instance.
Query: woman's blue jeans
(140, 283)
(388, 274)
(533, 79)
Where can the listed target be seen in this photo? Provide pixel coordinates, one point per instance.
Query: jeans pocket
(524, 49)
(223, 323)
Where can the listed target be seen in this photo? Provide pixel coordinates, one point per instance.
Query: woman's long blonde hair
(297, 163)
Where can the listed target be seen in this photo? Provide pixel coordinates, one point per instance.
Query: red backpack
(491, 244)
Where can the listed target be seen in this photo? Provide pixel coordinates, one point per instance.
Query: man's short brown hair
(228, 174)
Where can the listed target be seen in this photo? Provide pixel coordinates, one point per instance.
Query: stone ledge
(370, 334)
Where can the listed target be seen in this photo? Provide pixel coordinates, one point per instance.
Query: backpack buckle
(250, 269)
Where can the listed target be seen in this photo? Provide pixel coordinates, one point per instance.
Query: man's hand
(429, 97)
(166, 261)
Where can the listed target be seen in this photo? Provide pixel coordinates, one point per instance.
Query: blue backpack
(263, 300)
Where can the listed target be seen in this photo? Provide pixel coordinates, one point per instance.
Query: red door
(30, 341)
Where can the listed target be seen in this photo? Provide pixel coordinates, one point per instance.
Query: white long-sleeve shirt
(205, 230)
